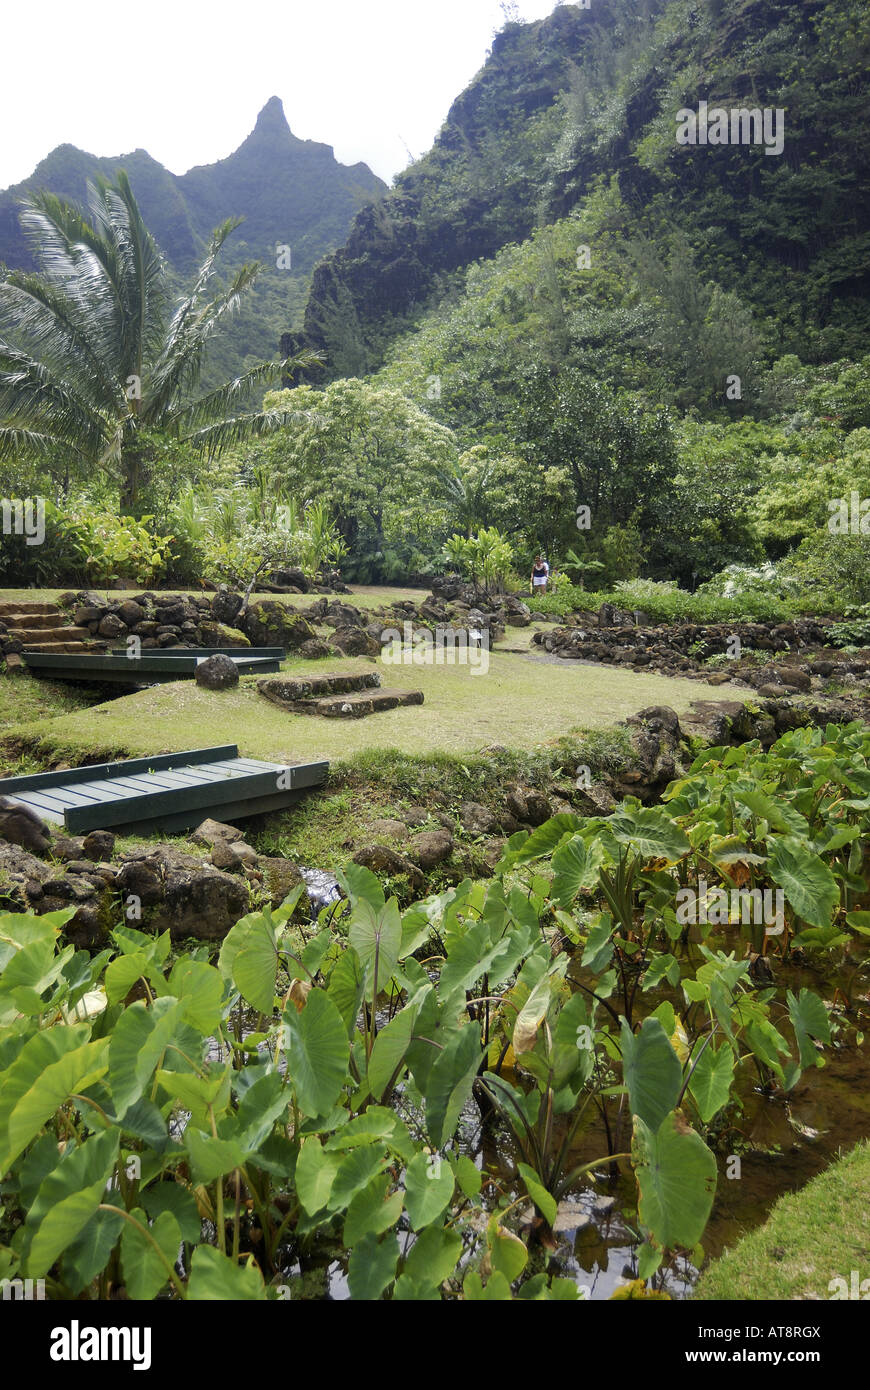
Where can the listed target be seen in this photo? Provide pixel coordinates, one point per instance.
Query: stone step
(31, 620)
(16, 606)
(65, 648)
(42, 636)
(358, 706)
(292, 691)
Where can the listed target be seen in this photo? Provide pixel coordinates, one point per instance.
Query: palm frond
(217, 403)
(53, 326)
(226, 433)
(29, 393)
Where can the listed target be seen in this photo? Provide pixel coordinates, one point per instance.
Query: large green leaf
(433, 1256)
(377, 939)
(390, 1047)
(49, 1069)
(212, 1158)
(676, 1176)
(201, 987)
(573, 868)
(346, 988)
(805, 879)
(371, 1211)
(315, 1173)
(651, 1071)
(429, 1185)
(139, 1044)
(546, 837)
(67, 1199)
(355, 1171)
(216, 1278)
(249, 957)
(711, 1080)
(809, 1018)
(145, 1267)
(372, 1266)
(86, 1256)
(650, 832)
(449, 1083)
(316, 1045)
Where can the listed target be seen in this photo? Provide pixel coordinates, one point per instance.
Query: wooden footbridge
(168, 792)
(150, 667)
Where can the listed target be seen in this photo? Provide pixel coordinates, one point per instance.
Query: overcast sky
(185, 80)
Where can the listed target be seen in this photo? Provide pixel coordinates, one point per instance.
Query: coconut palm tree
(90, 364)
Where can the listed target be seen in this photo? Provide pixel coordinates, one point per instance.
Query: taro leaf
(661, 967)
(377, 1123)
(50, 1067)
(470, 955)
(676, 1176)
(531, 1015)
(433, 1256)
(449, 1083)
(391, 1044)
(215, 1278)
(651, 1071)
(316, 1045)
(376, 937)
(408, 1290)
(777, 813)
(807, 882)
(139, 1041)
(650, 832)
(86, 1256)
(67, 1199)
(569, 871)
(123, 972)
(542, 1199)
(711, 1081)
(599, 944)
(172, 1197)
(202, 989)
(360, 883)
(546, 837)
(371, 1211)
(355, 1171)
(212, 1158)
(315, 1174)
(372, 1267)
(859, 921)
(429, 1184)
(249, 957)
(145, 1272)
(468, 1175)
(507, 1253)
(497, 1289)
(809, 1019)
(315, 952)
(346, 986)
(198, 1094)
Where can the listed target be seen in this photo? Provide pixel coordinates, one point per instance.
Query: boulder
(130, 612)
(355, 641)
(477, 819)
(212, 831)
(280, 877)
(68, 847)
(233, 855)
(315, 649)
(225, 608)
(389, 829)
(538, 808)
(203, 903)
(272, 624)
(383, 860)
(142, 879)
(290, 579)
(219, 635)
(342, 615)
(98, 845)
(430, 847)
(217, 673)
(19, 825)
(111, 626)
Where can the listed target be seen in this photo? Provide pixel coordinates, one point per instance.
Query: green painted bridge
(149, 668)
(169, 792)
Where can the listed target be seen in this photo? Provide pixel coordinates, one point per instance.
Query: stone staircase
(335, 696)
(41, 627)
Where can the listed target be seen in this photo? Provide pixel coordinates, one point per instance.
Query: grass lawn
(517, 703)
(810, 1238)
(364, 595)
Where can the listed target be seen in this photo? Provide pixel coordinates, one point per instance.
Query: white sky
(185, 80)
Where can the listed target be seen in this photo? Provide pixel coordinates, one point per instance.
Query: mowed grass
(364, 596)
(517, 703)
(811, 1237)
